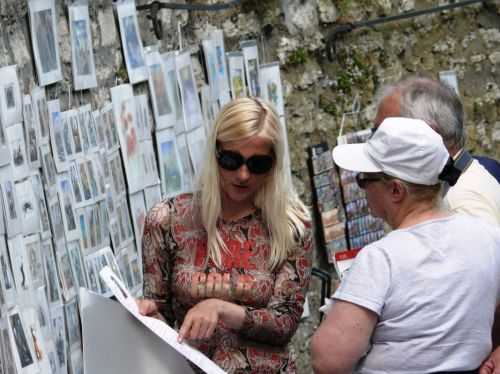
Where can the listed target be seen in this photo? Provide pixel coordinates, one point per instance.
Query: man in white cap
(406, 302)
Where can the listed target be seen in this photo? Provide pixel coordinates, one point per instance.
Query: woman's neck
(234, 211)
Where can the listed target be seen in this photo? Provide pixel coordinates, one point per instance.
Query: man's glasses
(362, 179)
(257, 164)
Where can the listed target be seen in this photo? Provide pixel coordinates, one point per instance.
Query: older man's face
(389, 107)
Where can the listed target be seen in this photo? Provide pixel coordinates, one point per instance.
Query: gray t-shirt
(435, 287)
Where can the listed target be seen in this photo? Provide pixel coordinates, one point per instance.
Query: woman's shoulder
(163, 212)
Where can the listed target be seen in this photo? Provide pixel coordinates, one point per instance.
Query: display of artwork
(236, 67)
(170, 165)
(173, 92)
(221, 66)
(191, 107)
(82, 55)
(10, 96)
(131, 41)
(44, 35)
(251, 59)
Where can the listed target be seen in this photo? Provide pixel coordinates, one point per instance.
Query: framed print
(30, 133)
(59, 329)
(211, 67)
(196, 142)
(73, 324)
(150, 165)
(66, 277)
(18, 157)
(6, 277)
(37, 340)
(272, 91)
(170, 164)
(449, 77)
(131, 41)
(10, 96)
(110, 128)
(152, 196)
(11, 206)
(143, 120)
(209, 107)
(43, 22)
(57, 140)
(24, 356)
(138, 208)
(251, 59)
(123, 261)
(193, 117)
(8, 354)
(41, 114)
(35, 260)
(125, 118)
(236, 67)
(82, 55)
(81, 183)
(187, 166)
(42, 310)
(83, 125)
(117, 177)
(92, 177)
(162, 105)
(99, 174)
(122, 210)
(76, 134)
(51, 278)
(28, 204)
(42, 207)
(66, 199)
(173, 93)
(56, 219)
(48, 169)
(221, 67)
(99, 129)
(4, 147)
(20, 269)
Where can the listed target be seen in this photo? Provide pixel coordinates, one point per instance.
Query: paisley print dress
(177, 275)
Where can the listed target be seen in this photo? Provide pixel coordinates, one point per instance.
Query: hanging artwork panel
(24, 356)
(125, 117)
(143, 118)
(28, 204)
(57, 139)
(162, 105)
(131, 41)
(196, 142)
(30, 133)
(43, 22)
(18, 157)
(193, 117)
(82, 55)
(11, 207)
(211, 67)
(251, 58)
(221, 66)
(272, 91)
(236, 67)
(4, 147)
(187, 166)
(10, 96)
(41, 114)
(173, 92)
(170, 164)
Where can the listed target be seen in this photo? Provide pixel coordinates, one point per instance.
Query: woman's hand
(148, 307)
(492, 364)
(201, 320)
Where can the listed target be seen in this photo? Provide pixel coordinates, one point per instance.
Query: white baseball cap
(404, 148)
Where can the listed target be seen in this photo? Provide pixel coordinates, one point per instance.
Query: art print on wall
(84, 76)
(125, 117)
(193, 117)
(11, 207)
(187, 166)
(41, 114)
(30, 133)
(10, 96)
(196, 142)
(57, 140)
(66, 199)
(251, 58)
(42, 16)
(58, 325)
(143, 120)
(138, 208)
(173, 93)
(4, 147)
(6, 278)
(110, 130)
(35, 260)
(28, 204)
(170, 164)
(272, 91)
(73, 324)
(131, 42)
(51, 278)
(152, 195)
(77, 265)
(211, 67)
(18, 157)
(236, 67)
(23, 353)
(221, 67)
(162, 105)
(65, 275)
(20, 268)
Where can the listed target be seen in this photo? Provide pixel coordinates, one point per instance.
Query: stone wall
(318, 91)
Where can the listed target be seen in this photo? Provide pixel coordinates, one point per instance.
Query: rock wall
(318, 91)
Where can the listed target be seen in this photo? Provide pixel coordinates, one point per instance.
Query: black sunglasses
(257, 164)
(362, 179)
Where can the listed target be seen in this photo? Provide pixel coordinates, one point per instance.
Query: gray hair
(433, 102)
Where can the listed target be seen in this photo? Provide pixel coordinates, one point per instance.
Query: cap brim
(354, 157)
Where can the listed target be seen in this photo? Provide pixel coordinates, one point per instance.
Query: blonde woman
(230, 264)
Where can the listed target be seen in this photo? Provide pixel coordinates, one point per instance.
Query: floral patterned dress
(177, 276)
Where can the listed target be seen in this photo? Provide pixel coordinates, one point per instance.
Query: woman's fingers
(147, 307)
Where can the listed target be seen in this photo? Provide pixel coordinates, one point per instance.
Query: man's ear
(398, 190)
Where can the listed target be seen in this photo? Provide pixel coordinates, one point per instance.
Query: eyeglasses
(257, 164)
(362, 179)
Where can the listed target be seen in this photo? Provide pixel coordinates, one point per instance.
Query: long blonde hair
(284, 213)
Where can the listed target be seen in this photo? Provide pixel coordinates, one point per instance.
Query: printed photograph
(160, 90)
(20, 340)
(11, 202)
(43, 115)
(253, 74)
(133, 46)
(66, 275)
(174, 94)
(171, 172)
(76, 134)
(75, 257)
(45, 40)
(34, 255)
(67, 203)
(10, 100)
(87, 193)
(81, 47)
(51, 279)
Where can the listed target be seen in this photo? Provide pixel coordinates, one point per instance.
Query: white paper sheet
(160, 328)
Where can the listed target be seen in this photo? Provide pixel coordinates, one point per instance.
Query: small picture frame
(193, 116)
(57, 140)
(82, 55)
(173, 93)
(51, 277)
(28, 204)
(6, 277)
(43, 22)
(217, 37)
(18, 157)
(12, 210)
(271, 88)
(143, 119)
(10, 96)
(31, 133)
(67, 201)
(251, 58)
(170, 164)
(68, 286)
(187, 166)
(60, 342)
(196, 143)
(236, 67)
(131, 42)
(24, 357)
(41, 114)
(73, 324)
